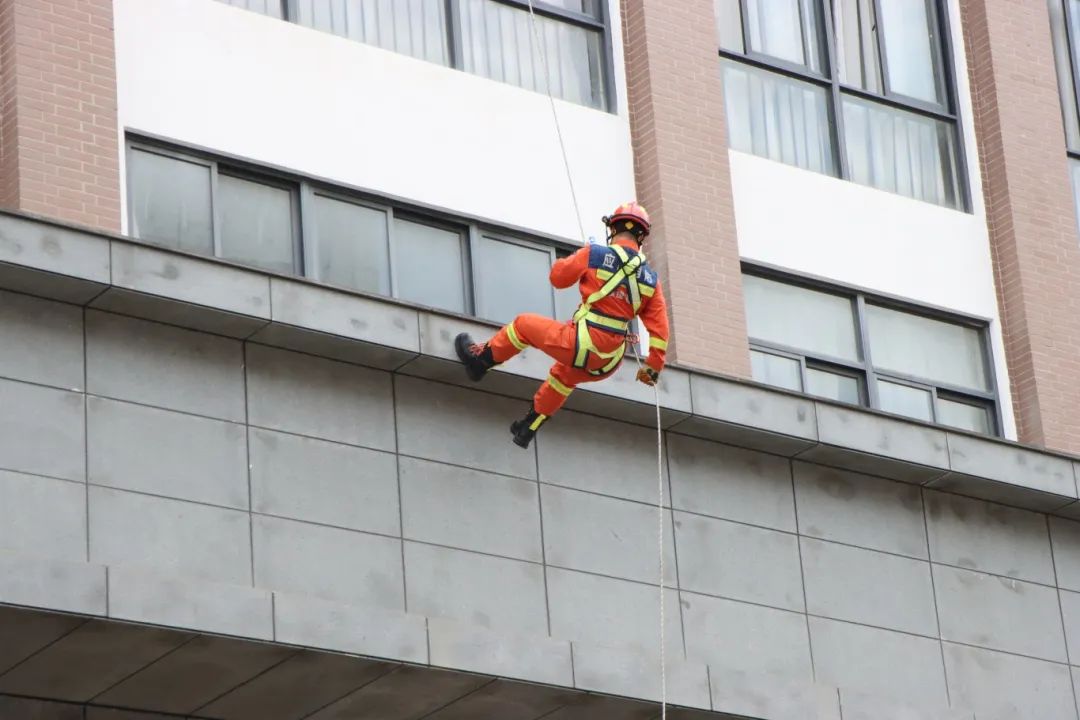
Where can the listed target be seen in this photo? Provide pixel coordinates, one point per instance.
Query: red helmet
(630, 212)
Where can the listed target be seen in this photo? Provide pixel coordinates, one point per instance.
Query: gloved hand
(647, 375)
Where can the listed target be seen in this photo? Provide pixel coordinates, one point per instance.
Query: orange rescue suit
(591, 268)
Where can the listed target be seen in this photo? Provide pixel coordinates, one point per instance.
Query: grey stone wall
(158, 451)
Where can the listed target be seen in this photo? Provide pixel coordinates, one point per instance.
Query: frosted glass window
(429, 265)
(901, 152)
(905, 400)
(512, 279)
(350, 245)
(170, 201)
(775, 370)
(909, 53)
(835, 386)
(778, 118)
(797, 317)
(498, 43)
(257, 224)
(926, 348)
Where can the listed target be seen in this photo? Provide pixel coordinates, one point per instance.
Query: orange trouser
(556, 339)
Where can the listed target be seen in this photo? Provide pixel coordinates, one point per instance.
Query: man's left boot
(524, 430)
(476, 358)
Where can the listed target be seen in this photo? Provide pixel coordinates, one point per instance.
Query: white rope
(637, 357)
(555, 117)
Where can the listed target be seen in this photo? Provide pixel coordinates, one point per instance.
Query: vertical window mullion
(296, 201)
(944, 50)
(453, 29)
(1071, 45)
(390, 222)
(474, 295)
(308, 232)
(837, 124)
(744, 18)
(883, 61)
(803, 379)
(867, 355)
(215, 209)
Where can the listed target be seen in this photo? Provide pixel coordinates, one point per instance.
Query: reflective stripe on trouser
(557, 339)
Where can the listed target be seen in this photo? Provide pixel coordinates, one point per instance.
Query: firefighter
(616, 285)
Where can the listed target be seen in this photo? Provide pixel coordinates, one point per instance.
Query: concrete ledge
(749, 416)
(210, 607)
(197, 293)
(72, 257)
(856, 440)
(862, 706)
(738, 694)
(465, 647)
(48, 259)
(1010, 474)
(618, 671)
(61, 586)
(315, 623)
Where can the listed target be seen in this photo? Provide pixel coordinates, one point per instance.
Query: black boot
(476, 358)
(524, 430)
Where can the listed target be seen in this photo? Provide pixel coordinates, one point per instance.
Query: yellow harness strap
(584, 315)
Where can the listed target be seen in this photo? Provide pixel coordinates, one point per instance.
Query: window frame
(455, 51)
(304, 191)
(943, 53)
(1071, 49)
(476, 235)
(864, 368)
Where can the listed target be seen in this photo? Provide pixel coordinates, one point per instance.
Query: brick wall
(1030, 213)
(683, 177)
(59, 147)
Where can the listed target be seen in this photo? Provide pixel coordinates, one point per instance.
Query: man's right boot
(476, 358)
(524, 430)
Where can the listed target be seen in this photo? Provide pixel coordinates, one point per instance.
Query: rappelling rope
(656, 388)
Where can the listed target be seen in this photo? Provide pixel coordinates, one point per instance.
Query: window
(858, 89)
(192, 202)
(273, 8)
(852, 348)
(187, 203)
(1065, 32)
(491, 38)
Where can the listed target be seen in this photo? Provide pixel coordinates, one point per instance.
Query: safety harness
(586, 316)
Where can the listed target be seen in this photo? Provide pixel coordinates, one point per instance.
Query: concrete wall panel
(738, 561)
(41, 341)
(132, 447)
(1066, 542)
(999, 613)
(860, 510)
(603, 610)
(603, 535)
(731, 483)
(470, 510)
(164, 366)
(169, 536)
(495, 593)
(988, 537)
(864, 586)
(625, 467)
(882, 663)
(42, 516)
(999, 686)
(747, 638)
(450, 424)
(42, 431)
(343, 565)
(324, 482)
(320, 398)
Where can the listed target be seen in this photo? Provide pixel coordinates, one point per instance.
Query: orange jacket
(581, 268)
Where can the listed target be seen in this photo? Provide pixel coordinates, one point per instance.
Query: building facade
(242, 476)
